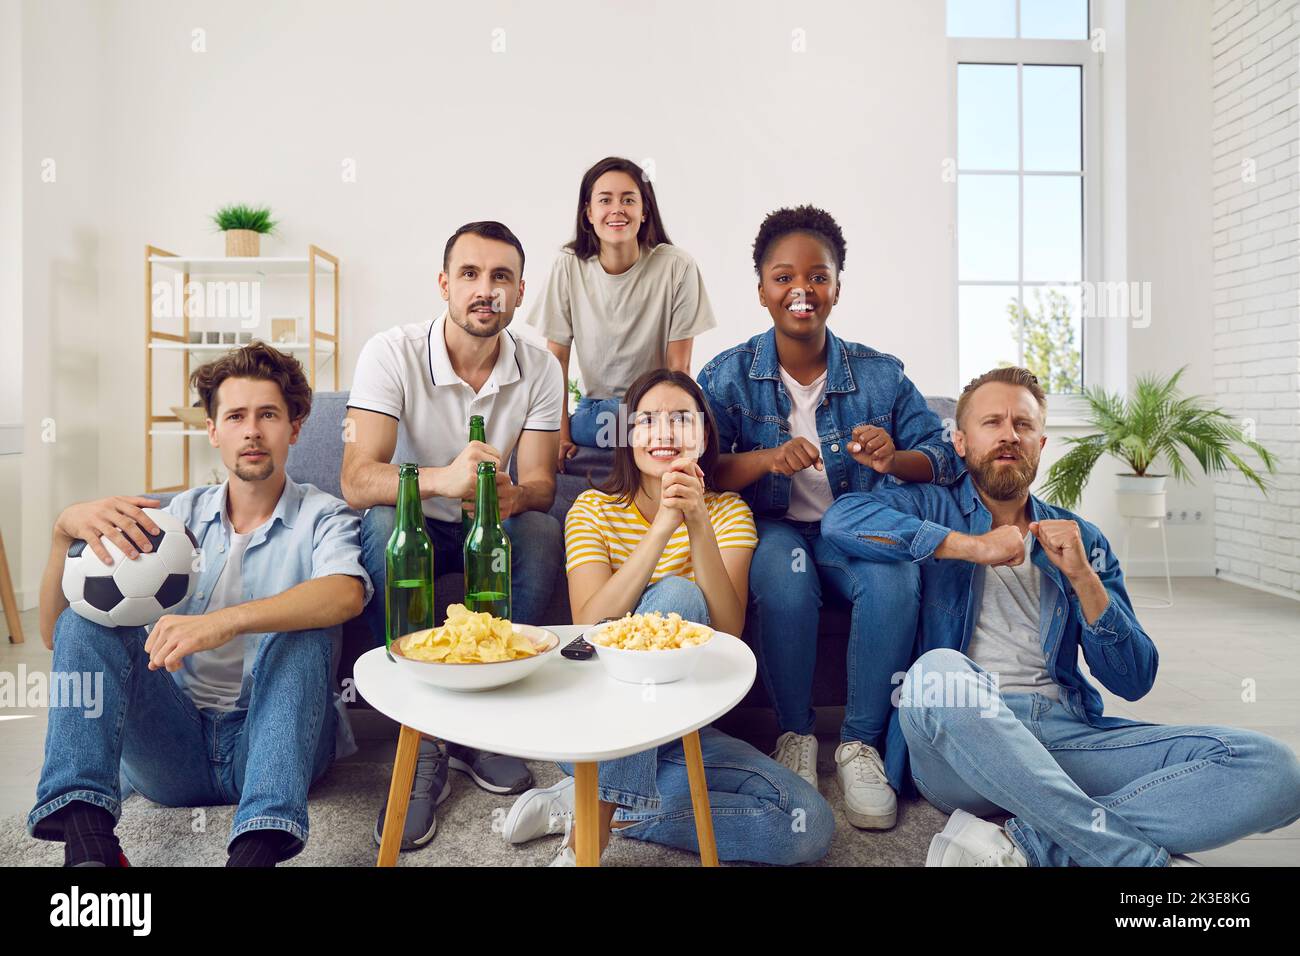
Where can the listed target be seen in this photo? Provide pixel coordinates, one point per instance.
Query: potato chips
(651, 632)
(467, 638)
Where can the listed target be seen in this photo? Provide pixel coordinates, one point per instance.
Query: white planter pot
(1141, 496)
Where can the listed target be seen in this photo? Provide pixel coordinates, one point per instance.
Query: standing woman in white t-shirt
(628, 298)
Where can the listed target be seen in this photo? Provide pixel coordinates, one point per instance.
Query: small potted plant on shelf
(244, 226)
(1154, 424)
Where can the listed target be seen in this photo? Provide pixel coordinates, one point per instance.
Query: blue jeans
(150, 733)
(536, 557)
(1123, 796)
(762, 812)
(590, 416)
(789, 569)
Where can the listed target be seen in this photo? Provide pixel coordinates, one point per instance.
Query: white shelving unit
(320, 345)
(325, 348)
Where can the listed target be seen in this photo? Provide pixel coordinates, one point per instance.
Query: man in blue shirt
(995, 714)
(228, 700)
(805, 417)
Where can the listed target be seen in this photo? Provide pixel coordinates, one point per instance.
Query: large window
(1025, 129)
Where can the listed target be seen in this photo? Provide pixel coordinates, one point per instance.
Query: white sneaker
(798, 752)
(566, 857)
(540, 812)
(869, 800)
(969, 841)
(1178, 859)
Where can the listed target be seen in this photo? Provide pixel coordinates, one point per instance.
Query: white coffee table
(565, 711)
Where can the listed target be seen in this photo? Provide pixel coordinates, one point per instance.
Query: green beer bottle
(487, 550)
(408, 586)
(476, 433)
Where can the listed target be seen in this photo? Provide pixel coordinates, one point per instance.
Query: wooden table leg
(399, 795)
(7, 598)
(700, 799)
(586, 814)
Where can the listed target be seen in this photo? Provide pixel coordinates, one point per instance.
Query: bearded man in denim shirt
(995, 714)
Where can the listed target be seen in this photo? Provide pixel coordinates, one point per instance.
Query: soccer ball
(133, 593)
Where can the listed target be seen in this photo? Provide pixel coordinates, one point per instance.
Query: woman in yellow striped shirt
(655, 537)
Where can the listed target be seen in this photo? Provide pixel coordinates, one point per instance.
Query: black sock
(88, 835)
(259, 848)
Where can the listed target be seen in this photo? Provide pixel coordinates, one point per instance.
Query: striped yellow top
(601, 529)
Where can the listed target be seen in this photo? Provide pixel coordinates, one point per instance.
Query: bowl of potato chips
(474, 651)
(650, 648)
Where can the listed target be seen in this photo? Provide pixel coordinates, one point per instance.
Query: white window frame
(1095, 348)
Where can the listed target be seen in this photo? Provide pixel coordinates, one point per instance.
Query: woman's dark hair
(625, 480)
(817, 223)
(651, 233)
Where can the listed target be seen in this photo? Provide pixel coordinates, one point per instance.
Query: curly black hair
(818, 223)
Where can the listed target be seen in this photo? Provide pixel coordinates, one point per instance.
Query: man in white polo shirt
(422, 382)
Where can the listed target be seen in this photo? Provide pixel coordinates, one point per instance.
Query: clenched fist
(872, 446)
(796, 455)
(1063, 545)
(1001, 547)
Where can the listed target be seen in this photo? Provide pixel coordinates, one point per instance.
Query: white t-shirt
(810, 492)
(1006, 640)
(406, 373)
(622, 324)
(215, 677)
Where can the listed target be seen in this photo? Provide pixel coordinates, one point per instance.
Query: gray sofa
(318, 456)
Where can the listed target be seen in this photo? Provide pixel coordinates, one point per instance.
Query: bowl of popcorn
(473, 651)
(650, 648)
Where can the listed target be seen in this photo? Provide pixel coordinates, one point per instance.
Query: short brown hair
(1011, 375)
(625, 479)
(259, 361)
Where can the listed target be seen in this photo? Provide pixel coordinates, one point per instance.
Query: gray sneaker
(432, 785)
(495, 773)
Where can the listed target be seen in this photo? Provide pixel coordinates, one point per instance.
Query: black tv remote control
(578, 649)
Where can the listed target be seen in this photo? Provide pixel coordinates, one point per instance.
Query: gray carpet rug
(344, 803)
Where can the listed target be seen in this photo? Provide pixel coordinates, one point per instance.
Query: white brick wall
(1256, 150)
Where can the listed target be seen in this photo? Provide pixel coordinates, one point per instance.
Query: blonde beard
(1004, 484)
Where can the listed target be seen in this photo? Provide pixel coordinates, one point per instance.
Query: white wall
(11, 284)
(1158, 231)
(1169, 225)
(65, 340)
(155, 136)
(1256, 277)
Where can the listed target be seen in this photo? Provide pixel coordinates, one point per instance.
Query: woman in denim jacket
(804, 417)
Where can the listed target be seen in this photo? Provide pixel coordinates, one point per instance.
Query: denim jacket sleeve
(899, 523)
(1119, 652)
(918, 428)
(728, 425)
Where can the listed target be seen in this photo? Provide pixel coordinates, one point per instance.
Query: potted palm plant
(244, 226)
(1156, 424)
